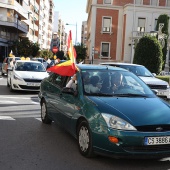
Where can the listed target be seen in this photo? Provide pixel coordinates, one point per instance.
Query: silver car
(162, 87)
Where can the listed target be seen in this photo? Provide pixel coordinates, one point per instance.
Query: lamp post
(76, 31)
(16, 16)
(92, 55)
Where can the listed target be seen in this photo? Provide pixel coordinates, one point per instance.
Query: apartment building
(84, 33)
(113, 27)
(32, 19)
(12, 26)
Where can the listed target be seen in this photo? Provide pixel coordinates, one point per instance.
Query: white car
(26, 75)
(162, 87)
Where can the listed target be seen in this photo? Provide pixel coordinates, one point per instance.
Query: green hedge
(165, 78)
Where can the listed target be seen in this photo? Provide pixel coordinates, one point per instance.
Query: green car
(109, 110)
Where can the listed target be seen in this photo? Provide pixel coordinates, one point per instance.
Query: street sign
(55, 50)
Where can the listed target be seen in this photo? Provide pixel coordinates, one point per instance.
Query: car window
(103, 82)
(29, 66)
(57, 80)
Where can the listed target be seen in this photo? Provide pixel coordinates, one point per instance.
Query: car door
(70, 105)
(54, 90)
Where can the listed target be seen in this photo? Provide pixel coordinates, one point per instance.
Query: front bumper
(130, 145)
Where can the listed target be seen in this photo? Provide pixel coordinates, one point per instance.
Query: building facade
(84, 33)
(31, 19)
(113, 26)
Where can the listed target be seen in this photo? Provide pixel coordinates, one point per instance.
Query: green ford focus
(109, 110)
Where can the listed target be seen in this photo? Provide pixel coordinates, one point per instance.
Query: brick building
(114, 26)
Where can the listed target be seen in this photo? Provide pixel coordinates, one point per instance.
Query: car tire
(85, 140)
(44, 113)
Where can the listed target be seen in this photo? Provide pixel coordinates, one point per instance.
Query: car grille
(152, 86)
(154, 148)
(155, 128)
(29, 87)
(33, 80)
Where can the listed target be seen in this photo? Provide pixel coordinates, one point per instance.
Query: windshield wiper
(130, 95)
(100, 94)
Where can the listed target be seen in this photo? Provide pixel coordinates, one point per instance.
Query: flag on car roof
(67, 68)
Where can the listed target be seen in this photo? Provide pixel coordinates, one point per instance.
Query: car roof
(98, 67)
(119, 63)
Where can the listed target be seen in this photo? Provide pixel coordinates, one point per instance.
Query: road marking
(6, 118)
(16, 97)
(35, 102)
(10, 102)
(39, 119)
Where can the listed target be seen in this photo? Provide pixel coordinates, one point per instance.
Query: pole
(16, 15)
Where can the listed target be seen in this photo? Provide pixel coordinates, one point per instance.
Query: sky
(72, 12)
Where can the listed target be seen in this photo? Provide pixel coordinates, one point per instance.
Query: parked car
(6, 64)
(42, 60)
(131, 122)
(26, 75)
(162, 87)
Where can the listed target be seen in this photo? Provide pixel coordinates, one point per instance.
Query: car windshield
(29, 66)
(138, 70)
(114, 83)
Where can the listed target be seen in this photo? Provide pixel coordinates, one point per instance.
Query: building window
(107, 1)
(154, 2)
(106, 24)
(139, 2)
(141, 24)
(168, 3)
(156, 20)
(105, 50)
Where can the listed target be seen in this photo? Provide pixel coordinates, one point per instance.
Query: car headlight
(16, 77)
(117, 123)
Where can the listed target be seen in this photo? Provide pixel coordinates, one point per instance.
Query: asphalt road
(27, 144)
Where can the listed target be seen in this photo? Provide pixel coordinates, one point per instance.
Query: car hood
(31, 75)
(153, 80)
(137, 111)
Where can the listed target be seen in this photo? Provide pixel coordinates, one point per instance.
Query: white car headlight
(117, 123)
(16, 77)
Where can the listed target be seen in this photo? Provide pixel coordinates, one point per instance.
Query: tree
(25, 48)
(46, 54)
(164, 18)
(81, 51)
(148, 52)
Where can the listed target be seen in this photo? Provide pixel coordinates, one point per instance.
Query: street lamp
(16, 16)
(76, 31)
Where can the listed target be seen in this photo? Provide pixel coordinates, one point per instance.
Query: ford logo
(159, 129)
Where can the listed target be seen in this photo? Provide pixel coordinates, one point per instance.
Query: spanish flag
(67, 68)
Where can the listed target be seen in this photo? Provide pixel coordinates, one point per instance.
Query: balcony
(12, 22)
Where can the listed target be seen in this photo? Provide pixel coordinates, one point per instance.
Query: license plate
(33, 84)
(162, 140)
(161, 93)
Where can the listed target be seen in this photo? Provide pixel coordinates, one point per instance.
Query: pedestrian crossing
(14, 107)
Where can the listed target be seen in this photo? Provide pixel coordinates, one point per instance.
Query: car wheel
(44, 113)
(85, 140)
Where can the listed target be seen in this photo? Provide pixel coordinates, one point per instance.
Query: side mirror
(69, 91)
(154, 74)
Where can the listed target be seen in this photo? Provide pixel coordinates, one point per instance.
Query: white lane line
(39, 119)
(10, 102)
(6, 118)
(4, 97)
(35, 102)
